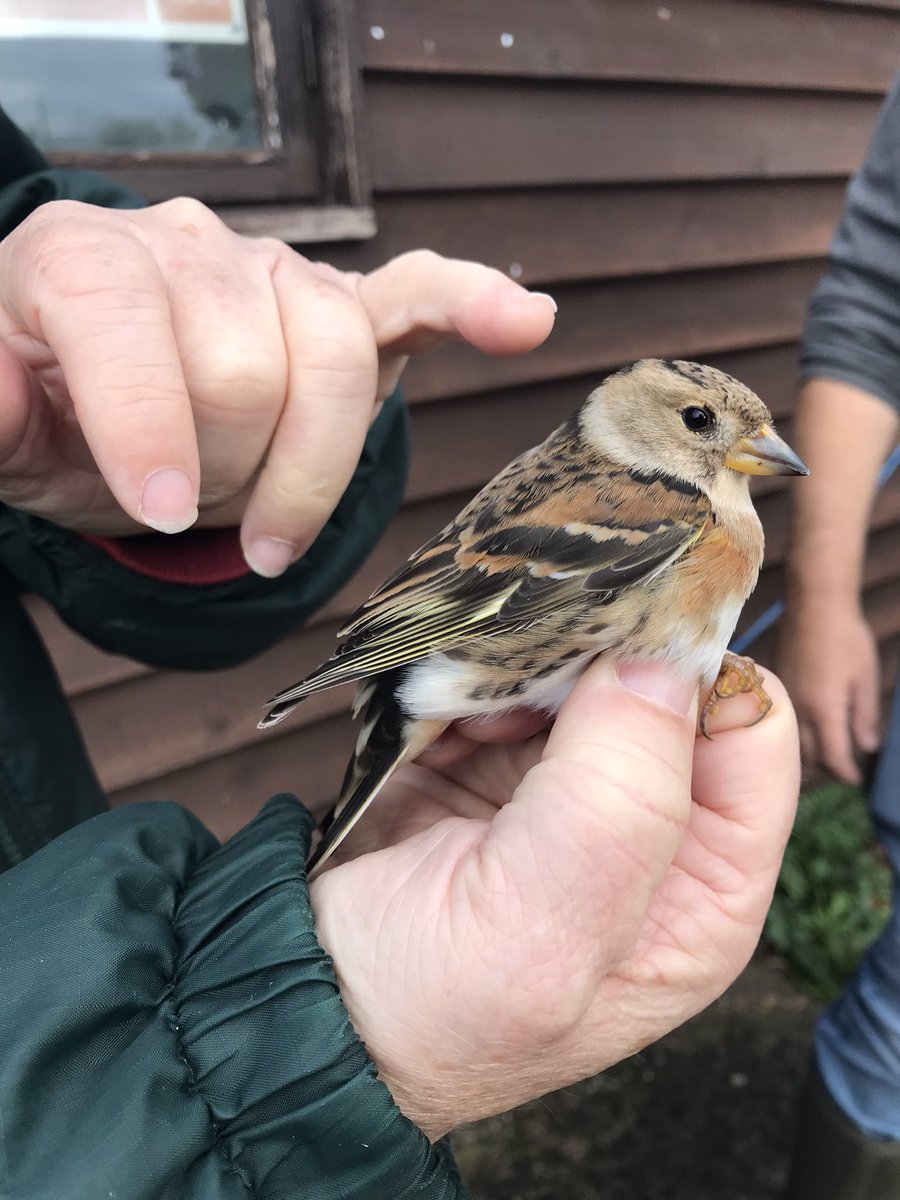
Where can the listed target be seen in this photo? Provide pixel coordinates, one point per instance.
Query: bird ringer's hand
(536, 910)
(153, 363)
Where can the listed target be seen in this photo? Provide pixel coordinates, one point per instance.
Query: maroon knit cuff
(197, 557)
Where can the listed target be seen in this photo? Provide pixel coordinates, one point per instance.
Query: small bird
(628, 532)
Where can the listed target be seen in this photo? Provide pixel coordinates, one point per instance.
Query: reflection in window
(126, 76)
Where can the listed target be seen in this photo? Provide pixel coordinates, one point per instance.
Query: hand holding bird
(524, 915)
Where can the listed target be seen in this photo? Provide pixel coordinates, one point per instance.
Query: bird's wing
(503, 566)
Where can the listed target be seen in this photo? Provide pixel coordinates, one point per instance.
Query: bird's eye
(698, 420)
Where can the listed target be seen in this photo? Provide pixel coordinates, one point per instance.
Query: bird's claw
(737, 676)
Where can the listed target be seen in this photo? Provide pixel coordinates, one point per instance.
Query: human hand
(152, 362)
(537, 910)
(828, 659)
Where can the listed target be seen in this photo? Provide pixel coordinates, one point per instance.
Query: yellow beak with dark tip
(765, 454)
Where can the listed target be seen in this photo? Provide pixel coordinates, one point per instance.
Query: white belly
(440, 688)
(701, 658)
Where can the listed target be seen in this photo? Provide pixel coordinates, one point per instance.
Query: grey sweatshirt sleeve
(853, 324)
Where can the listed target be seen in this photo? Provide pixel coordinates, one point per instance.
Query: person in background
(847, 423)
(171, 1025)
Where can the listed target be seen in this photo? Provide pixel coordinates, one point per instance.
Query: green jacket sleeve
(172, 1030)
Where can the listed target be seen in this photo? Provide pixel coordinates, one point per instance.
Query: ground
(706, 1114)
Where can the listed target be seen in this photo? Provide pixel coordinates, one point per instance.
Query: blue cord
(744, 641)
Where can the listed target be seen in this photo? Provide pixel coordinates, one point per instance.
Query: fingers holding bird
(744, 788)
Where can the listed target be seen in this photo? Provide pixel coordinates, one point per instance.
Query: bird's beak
(765, 454)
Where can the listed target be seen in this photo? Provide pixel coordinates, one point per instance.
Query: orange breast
(720, 566)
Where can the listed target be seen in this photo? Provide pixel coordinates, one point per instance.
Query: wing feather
(476, 579)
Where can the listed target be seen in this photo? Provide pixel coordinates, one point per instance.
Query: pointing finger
(420, 300)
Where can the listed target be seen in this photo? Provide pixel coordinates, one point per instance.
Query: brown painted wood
(564, 235)
(227, 791)
(170, 719)
(892, 5)
(441, 133)
(651, 178)
(732, 42)
(600, 326)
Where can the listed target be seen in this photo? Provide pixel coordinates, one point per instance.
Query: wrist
(825, 598)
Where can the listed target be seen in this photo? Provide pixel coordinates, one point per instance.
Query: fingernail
(541, 296)
(168, 501)
(269, 557)
(658, 682)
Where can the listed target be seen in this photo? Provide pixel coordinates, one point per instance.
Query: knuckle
(292, 487)
(271, 248)
(70, 215)
(71, 256)
(335, 358)
(233, 377)
(188, 215)
(421, 260)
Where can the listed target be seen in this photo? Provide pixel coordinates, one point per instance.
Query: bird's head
(685, 419)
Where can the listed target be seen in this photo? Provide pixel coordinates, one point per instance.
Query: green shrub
(833, 894)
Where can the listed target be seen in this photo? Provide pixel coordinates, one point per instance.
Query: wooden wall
(671, 172)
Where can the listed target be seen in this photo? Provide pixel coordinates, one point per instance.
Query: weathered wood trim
(295, 223)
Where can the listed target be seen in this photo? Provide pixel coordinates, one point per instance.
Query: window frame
(307, 182)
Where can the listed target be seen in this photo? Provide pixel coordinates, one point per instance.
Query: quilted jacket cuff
(191, 1040)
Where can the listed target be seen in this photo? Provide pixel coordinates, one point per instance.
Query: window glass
(128, 76)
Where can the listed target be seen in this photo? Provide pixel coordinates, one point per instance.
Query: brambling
(629, 532)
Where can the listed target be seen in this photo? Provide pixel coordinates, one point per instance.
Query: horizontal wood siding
(728, 42)
(489, 133)
(672, 173)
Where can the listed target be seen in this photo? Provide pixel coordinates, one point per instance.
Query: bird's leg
(736, 676)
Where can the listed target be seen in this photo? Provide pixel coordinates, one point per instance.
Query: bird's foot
(737, 676)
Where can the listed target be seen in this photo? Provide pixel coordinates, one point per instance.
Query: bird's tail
(388, 738)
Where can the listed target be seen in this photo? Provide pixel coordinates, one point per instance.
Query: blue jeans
(858, 1038)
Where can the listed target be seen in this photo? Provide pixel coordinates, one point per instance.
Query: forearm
(844, 435)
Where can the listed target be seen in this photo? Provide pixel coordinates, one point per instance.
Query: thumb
(593, 827)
